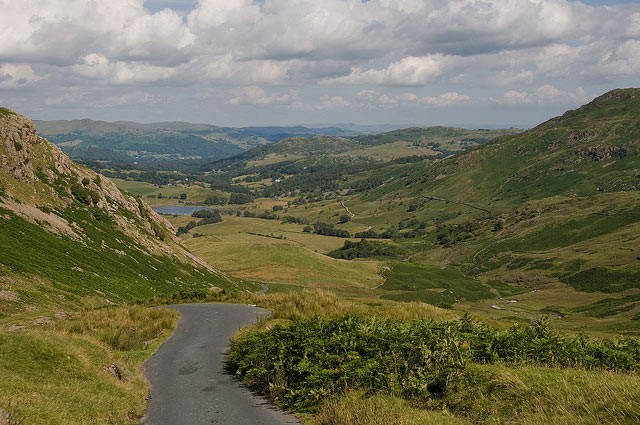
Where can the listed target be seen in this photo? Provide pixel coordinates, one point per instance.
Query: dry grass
(355, 408)
(62, 373)
(321, 303)
(124, 328)
(578, 397)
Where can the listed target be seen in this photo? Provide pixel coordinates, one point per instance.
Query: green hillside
(555, 207)
(71, 217)
(428, 141)
(75, 253)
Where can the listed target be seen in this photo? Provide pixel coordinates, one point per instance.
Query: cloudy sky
(470, 63)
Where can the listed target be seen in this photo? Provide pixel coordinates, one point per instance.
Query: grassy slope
(54, 348)
(296, 261)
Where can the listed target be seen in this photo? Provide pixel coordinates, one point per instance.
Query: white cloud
(444, 99)
(409, 71)
(230, 13)
(255, 95)
(334, 102)
(515, 97)
(17, 75)
(486, 49)
(158, 37)
(622, 59)
(98, 67)
(546, 94)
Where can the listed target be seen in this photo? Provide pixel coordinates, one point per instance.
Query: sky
(467, 63)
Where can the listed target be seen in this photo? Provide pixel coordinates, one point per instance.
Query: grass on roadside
(83, 370)
(357, 408)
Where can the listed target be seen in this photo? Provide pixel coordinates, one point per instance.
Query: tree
(240, 198)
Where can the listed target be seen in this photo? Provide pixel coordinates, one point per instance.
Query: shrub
(365, 249)
(327, 229)
(301, 363)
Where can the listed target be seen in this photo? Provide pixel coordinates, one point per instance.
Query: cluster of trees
(296, 220)
(216, 199)
(365, 249)
(240, 198)
(391, 233)
(267, 215)
(205, 216)
(235, 198)
(328, 229)
(449, 235)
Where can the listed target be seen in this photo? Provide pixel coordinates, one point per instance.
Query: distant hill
(127, 143)
(416, 141)
(70, 235)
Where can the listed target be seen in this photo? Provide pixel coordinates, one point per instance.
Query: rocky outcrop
(17, 137)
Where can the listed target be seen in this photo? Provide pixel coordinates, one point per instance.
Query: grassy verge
(358, 408)
(83, 369)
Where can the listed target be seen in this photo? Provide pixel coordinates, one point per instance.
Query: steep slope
(592, 149)
(70, 236)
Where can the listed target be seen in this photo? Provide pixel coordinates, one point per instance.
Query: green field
(251, 248)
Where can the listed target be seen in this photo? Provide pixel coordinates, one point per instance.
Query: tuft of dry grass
(356, 408)
(122, 328)
(85, 370)
(305, 304)
(322, 303)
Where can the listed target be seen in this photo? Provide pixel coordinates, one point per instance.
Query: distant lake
(179, 209)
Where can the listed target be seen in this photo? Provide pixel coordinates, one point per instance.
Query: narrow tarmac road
(189, 385)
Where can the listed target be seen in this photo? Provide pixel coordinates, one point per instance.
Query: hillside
(553, 210)
(92, 240)
(76, 253)
(427, 141)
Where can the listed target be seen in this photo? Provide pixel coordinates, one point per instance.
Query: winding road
(189, 385)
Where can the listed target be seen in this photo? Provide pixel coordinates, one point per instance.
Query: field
(165, 195)
(281, 255)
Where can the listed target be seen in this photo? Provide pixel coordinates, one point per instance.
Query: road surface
(189, 385)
